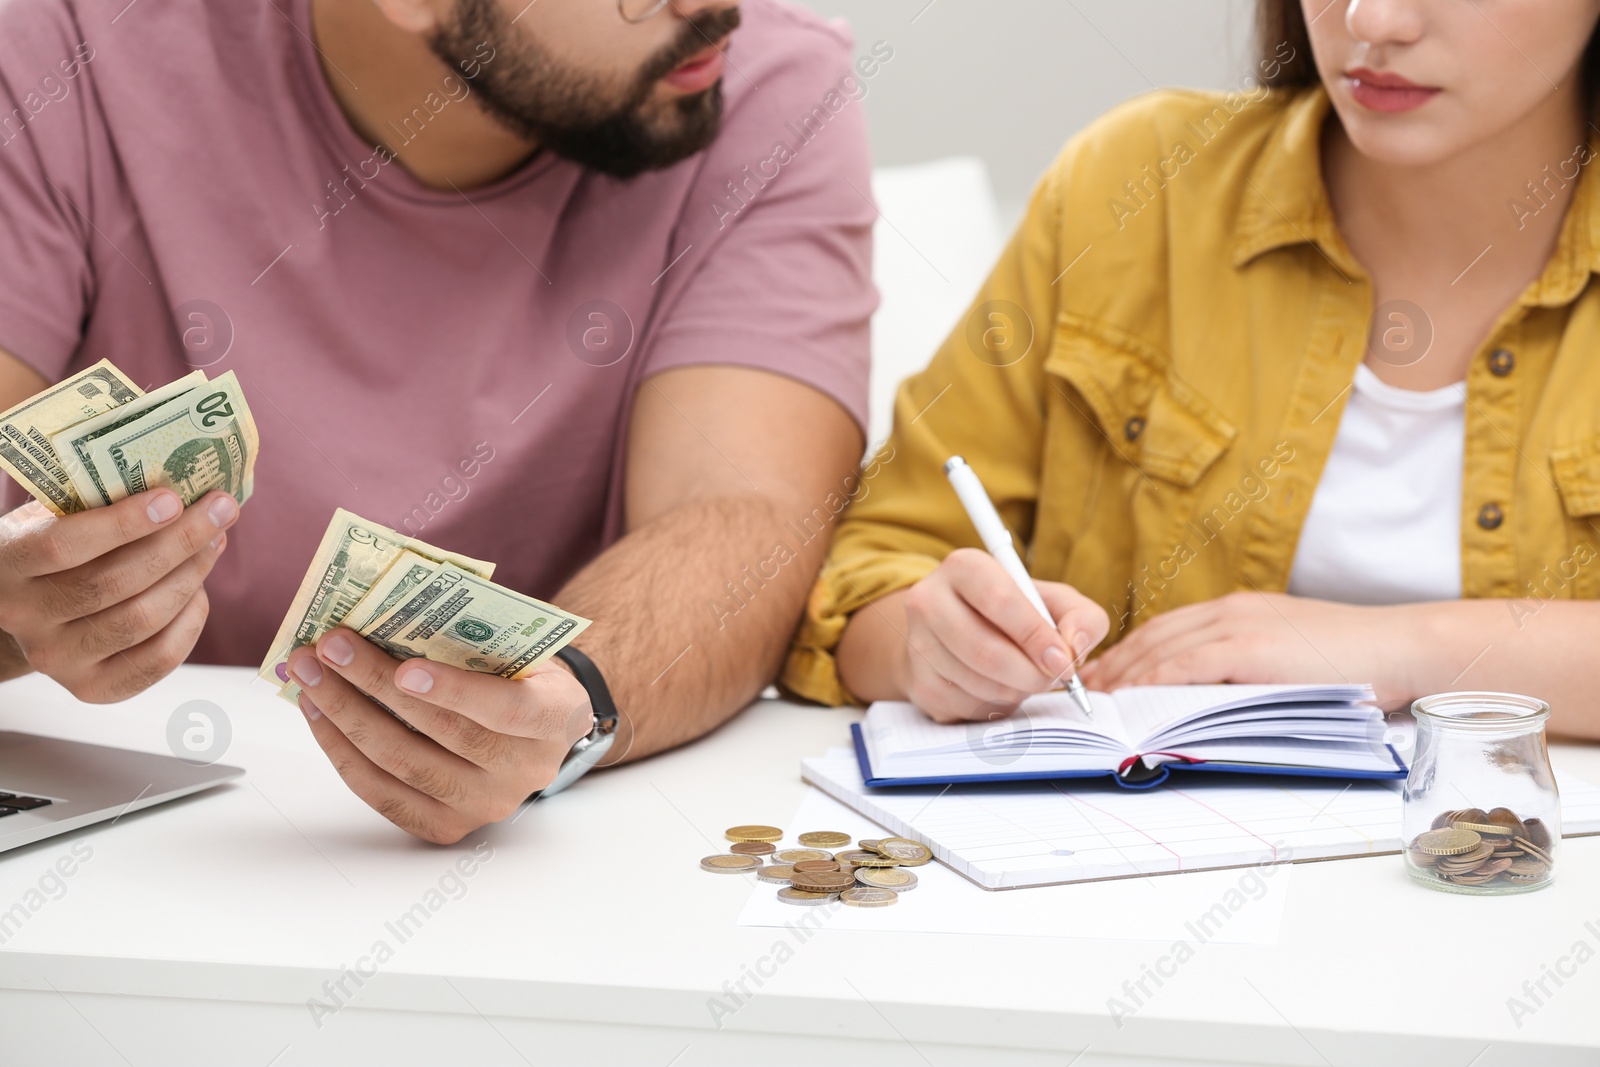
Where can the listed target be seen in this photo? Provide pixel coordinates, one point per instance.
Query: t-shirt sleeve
(45, 133)
(783, 207)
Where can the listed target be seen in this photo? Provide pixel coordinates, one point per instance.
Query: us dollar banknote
(75, 443)
(25, 431)
(201, 440)
(353, 555)
(457, 618)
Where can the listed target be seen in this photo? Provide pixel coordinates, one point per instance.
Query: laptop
(49, 786)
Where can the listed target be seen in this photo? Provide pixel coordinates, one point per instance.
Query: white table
(195, 933)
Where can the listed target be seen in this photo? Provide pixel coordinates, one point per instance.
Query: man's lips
(1386, 91)
(700, 71)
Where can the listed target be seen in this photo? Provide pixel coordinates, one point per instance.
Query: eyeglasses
(640, 10)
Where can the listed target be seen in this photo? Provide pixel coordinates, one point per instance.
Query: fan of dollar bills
(412, 599)
(97, 438)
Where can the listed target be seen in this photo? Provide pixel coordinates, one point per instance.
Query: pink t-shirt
(179, 188)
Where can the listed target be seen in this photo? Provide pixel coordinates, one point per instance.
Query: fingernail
(337, 650)
(308, 709)
(416, 680)
(222, 510)
(307, 671)
(218, 541)
(1055, 660)
(163, 507)
(1079, 642)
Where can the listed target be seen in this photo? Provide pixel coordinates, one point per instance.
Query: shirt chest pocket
(1577, 473)
(1150, 418)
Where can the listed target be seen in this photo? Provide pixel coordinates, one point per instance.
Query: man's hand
(482, 743)
(1263, 638)
(108, 601)
(977, 647)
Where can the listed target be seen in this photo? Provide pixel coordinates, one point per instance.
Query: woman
(1274, 386)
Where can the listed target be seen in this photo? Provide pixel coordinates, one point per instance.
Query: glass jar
(1481, 812)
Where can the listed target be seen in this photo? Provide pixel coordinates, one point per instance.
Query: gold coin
(1537, 832)
(1485, 829)
(857, 856)
(823, 881)
(1527, 867)
(869, 845)
(869, 898)
(813, 866)
(872, 859)
(904, 851)
(753, 833)
(776, 873)
(1495, 866)
(1447, 842)
(803, 897)
(1422, 859)
(753, 848)
(800, 855)
(824, 839)
(886, 878)
(729, 864)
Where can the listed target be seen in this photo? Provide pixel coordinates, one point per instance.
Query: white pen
(997, 540)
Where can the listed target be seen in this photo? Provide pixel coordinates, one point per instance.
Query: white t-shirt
(1385, 524)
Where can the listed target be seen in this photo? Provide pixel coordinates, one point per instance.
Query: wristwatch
(591, 748)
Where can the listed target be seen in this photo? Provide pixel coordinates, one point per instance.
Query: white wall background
(1010, 80)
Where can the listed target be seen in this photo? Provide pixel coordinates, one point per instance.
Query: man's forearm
(694, 611)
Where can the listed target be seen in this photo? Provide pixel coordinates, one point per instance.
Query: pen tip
(953, 462)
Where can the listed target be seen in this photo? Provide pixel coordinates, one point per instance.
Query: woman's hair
(1281, 23)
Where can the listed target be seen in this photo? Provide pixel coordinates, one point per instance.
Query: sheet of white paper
(1242, 906)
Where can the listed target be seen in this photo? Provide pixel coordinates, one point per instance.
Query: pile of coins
(867, 876)
(1473, 847)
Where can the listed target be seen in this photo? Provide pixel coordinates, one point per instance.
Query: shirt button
(1501, 362)
(1490, 516)
(1133, 428)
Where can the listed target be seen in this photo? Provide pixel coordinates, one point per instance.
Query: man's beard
(566, 111)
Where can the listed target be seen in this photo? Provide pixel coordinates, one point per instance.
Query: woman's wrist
(873, 657)
(1423, 648)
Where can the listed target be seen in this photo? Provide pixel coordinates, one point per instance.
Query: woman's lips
(697, 73)
(1387, 92)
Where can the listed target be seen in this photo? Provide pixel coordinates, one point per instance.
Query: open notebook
(1137, 735)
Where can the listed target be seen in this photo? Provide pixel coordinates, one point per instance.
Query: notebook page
(1146, 710)
(894, 728)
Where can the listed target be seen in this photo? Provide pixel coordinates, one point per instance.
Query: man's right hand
(108, 601)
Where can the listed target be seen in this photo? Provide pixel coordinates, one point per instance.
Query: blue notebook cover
(1139, 776)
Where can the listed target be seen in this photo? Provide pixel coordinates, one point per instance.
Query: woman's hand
(1264, 638)
(975, 647)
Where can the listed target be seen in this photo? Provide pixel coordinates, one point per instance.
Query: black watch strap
(589, 676)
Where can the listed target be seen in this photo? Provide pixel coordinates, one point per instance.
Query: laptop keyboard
(11, 803)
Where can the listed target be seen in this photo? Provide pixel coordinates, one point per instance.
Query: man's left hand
(1262, 638)
(482, 743)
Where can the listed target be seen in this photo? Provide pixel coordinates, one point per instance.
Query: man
(576, 286)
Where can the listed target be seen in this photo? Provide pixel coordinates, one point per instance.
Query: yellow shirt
(1151, 379)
